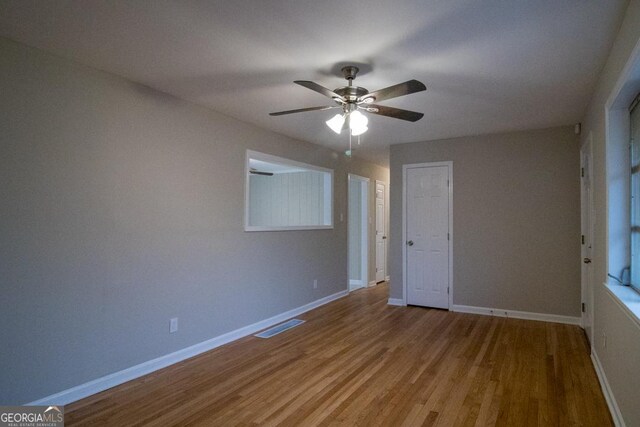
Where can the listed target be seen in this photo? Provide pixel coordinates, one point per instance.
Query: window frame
(634, 192)
(327, 200)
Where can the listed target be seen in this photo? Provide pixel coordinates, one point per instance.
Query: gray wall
(620, 358)
(123, 207)
(516, 218)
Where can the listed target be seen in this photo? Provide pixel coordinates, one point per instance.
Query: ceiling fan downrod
(349, 72)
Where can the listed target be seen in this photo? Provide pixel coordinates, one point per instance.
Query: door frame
(405, 168)
(384, 234)
(364, 223)
(586, 292)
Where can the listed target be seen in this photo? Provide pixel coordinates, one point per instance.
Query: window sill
(627, 298)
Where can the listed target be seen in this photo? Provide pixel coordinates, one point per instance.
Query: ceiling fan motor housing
(351, 93)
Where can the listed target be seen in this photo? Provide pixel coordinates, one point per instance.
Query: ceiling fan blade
(318, 88)
(406, 88)
(396, 113)
(302, 110)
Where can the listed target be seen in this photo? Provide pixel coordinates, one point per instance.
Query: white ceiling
(489, 66)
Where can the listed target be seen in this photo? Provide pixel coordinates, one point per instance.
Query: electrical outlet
(173, 325)
(315, 283)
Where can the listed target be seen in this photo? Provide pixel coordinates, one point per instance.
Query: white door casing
(586, 208)
(380, 232)
(427, 234)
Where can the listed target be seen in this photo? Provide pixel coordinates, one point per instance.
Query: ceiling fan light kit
(353, 100)
(358, 123)
(336, 122)
(355, 121)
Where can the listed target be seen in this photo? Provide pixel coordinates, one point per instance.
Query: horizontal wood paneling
(287, 199)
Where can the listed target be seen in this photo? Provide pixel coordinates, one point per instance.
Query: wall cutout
(283, 194)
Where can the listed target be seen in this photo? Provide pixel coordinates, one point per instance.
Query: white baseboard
(395, 301)
(388, 278)
(357, 283)
(372, 283)
(606, 390)
(555, 318)
(92, 387)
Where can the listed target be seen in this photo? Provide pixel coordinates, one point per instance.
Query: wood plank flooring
(358, 361)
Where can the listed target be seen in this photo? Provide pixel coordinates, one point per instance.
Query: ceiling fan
(354, 99)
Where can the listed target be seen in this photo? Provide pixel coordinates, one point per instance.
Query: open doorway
(358, 214)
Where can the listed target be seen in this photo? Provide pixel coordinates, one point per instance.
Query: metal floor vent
(279, 328)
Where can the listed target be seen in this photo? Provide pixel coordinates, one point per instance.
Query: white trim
(354, 285)
(396, 301)
(287, 228)
(586, 228)
(328, 195)
(543, 317)
(372, 283)
(92, 387)
(624, 77)
(616, 415)
(406, 167)
(388, 278)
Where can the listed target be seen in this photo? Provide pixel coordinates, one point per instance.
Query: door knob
(587, 260)
(410, 243)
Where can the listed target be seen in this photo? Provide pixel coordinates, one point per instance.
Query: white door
(380, 234)
(427, 235)
(586, 199)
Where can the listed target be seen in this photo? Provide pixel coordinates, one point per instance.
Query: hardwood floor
(358, 361)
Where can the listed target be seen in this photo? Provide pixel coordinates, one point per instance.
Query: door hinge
(447, 236)
(447, 290)
(447, 183)
(583, 310)
(582, 172)
(583, 239)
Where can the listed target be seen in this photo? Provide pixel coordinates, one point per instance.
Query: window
(282, 194)
(635, 192)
